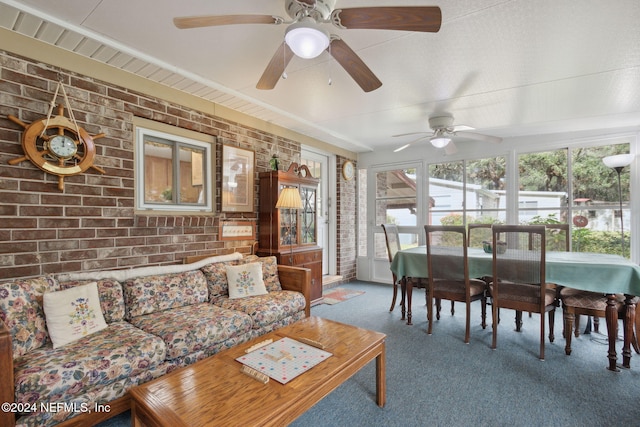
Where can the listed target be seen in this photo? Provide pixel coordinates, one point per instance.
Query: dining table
(608, 274)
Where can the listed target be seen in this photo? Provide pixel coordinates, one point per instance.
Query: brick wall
(92, 224)
(347, 229)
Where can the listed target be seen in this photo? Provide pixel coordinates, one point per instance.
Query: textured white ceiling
(506, 68)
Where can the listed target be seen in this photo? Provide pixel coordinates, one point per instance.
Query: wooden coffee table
(213, 391)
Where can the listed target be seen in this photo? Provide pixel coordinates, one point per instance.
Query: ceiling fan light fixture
(440, 141)
(306, 39)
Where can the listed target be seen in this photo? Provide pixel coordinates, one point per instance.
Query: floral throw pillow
(21, 311)
(73, 313)
(245, 280)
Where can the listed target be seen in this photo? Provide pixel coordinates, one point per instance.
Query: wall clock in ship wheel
(58, 146)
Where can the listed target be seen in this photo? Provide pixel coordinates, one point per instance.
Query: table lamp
(289, 199)
(617, 163)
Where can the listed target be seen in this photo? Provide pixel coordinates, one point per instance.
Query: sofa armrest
(7, 385)
(297, 279)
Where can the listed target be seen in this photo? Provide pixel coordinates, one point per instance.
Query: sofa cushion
(21, 311)
(111, 297)
(245, 280)
(266, 309)
(73, 313)
(191, 328)
(144, 295)
(57, 375)
(216, 274)
(269, 271)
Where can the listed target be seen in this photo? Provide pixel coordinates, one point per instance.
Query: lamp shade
(306, 39)
(289, 199)
(440, 141)
(618, 161)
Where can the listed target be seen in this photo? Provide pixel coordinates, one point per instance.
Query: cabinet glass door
(308, 215)
(288, 225)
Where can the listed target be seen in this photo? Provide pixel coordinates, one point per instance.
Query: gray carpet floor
(437, 380)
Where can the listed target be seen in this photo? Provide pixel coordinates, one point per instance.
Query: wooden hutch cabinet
(291, 234)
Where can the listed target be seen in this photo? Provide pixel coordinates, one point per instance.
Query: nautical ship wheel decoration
(57, 145)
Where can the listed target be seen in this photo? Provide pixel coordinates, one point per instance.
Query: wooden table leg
(611, 315)
(629, 322)
(409, 295)
(381, 377)
(403, 290)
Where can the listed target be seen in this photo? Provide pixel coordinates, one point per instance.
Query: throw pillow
(73, 313)
(21, 311)
(245, 280)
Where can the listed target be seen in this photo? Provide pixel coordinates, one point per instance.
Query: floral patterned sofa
(156, 319)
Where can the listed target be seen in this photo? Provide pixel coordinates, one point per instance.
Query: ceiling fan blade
(276, 67)
(408, 144)
(479, 137)
(215, 20)
(408, 134)
(421, 18)
(353, 65)
(450, 148)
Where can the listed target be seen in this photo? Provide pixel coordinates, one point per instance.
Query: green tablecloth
(581, 270)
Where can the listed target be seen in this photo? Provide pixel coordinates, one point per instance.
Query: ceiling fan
(306, 38)
(443, 133)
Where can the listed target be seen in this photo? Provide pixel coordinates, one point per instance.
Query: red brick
(33, 234)
(162, 258)
(60, 199)
(83, 211)
(145, 250)
(19, 198)
(96, 243)
(8, 210)
(14, 248)
(127, 262)
(98, 223)
(77, 255)
(41, 211)
(114, 252)
(100, 264)
(111, 232)
(62, 224)
(61, 267)
(57, 245)
(25, 271)
(130, 241)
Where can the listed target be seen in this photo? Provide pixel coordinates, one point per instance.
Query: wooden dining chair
(519, 279)
(477, 233)
(392, 238)
(448, 267)
(557, 238)
(576, 302)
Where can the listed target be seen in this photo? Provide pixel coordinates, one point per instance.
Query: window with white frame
(574, 186)
(467, 191)
(173, 172)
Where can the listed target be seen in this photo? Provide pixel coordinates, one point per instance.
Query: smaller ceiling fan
(443, 133)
